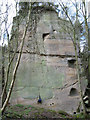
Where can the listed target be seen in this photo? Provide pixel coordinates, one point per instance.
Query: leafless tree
(6, 100)
(78, 12)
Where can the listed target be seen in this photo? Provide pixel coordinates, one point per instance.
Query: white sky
(12, 13)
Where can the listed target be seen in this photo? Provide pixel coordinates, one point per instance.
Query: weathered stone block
(45, 66)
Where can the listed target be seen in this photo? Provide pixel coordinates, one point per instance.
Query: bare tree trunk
(76, 54)
(10, 59)
(17, 64)
(3, 56)
(3, 74)
(87, 28)
(78, 74)
(89, 58)
(7, 74)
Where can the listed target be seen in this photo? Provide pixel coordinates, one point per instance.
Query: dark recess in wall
(44, 35)
(73, 92)
(71, 63)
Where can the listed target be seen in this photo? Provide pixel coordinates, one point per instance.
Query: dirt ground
(27, 111)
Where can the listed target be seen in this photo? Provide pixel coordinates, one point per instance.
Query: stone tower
(47, 65)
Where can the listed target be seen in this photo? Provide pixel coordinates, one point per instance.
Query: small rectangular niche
(71, 62)
(45, 35)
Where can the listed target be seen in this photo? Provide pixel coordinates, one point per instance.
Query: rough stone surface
(47, 66)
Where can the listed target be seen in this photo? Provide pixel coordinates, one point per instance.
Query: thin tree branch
(17, 64)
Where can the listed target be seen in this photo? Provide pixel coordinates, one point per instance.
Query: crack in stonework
(44, 54)
(66, 86)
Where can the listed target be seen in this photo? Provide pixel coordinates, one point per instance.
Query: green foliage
(25, 111)
(20, 105)
(53, 111)
(0, 114)
(12, 115)
(81, 115)
(63, 113)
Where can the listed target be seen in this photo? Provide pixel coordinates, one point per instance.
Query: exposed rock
(47, 65)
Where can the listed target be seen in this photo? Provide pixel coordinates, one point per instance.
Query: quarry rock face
(47, 67)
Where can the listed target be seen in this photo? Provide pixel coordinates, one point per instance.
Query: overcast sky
(12, 13)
